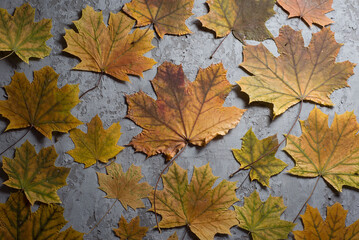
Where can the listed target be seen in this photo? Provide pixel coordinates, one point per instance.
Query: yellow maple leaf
(21, 35)
(299, 73)
(196, 205)
(40, 104)
(124, 186)
(167, 16)
(184, 112)
(111, 49)
(333, 228)
(131, 230)
(331, 153)
(98, 144)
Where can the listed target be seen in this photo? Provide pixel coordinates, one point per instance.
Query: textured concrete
(85, 204)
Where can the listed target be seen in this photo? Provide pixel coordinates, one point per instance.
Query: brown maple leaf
(184, 112)
(311, 11)
(299, 73)
(167, 16)
(131, 230)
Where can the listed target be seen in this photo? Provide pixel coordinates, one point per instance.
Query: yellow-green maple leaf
(97, 144)
(131, 230)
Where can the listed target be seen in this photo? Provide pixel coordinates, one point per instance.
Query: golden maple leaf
(173, 236)
(196, 205)
(331, 153)
(252, 149)
(111, 49)
(244, 18)
(131, 230)
(40, 104)
(299, 73)
(310, 11)
(124, 186)
(333, 228)
(35, 174)
(21, 35)
(262, 219)
(18, 222)
(98, 144)
(167, 16)
(184, 112)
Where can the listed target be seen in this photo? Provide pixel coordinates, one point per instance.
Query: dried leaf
(130, 231)
(262, 219)
(167, 16)
(124, 186)
(244, 18)
(252, 149)
(40, 104)
(331, 153)
(184, 112)
(35, 174)
(311, 11)
(18, 222)
(98, 144)
(333, 228)
(173, 236)
(20, 34)
(299, 73)
(196, 205)
(110, 50)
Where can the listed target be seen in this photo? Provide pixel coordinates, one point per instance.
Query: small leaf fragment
(130, 231)
(173, 236)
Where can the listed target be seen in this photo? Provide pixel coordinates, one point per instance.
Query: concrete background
(85, 204)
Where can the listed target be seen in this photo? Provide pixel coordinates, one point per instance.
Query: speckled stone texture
(85, 204)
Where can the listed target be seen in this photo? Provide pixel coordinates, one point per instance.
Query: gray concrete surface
(85, 204)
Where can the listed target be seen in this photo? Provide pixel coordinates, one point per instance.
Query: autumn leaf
(167, 16)
(196, 205)
(21, 35)
(310, 11)
(98, 144)
(244, 18)
(252, 150)
(173, 237)
(35, 174)
(299, 73)
(262, 219)
(333, 228)
(184, 112)
(124, 186)
(40, 104)
(112, 50)
(18, 222)
(328, 152)
(130, 231)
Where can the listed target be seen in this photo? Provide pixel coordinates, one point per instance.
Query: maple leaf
(184, 112)
(328, 152)
(167, 16)
(333, 228)
(21, 35)
(196, 205)
(311, 11)
(18, 222)
(252, 149)
(173, 236)
(35, 173)
(242, 17)
(124, 186)
(130, 231)
(111, 49)
(262, 219)
(97, 144)
(40, 104)
(299, 73)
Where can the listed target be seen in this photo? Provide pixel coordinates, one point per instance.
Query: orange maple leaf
(311, 11)
(111, 49)
(184, 112)
(167, 16)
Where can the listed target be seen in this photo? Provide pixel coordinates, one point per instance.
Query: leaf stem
(16, 141)
(158, 180)
(185, 233)
(274, 148)
(93, 88)
(316, 183)
(107, 212)
(7, 55)
(218, 47)
(243, 180)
